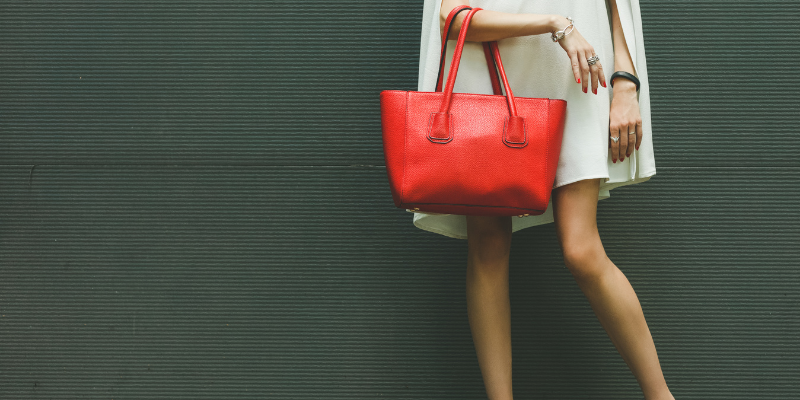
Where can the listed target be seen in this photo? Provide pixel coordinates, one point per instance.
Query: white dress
(538, 67)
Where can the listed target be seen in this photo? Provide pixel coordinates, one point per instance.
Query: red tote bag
(471, 154)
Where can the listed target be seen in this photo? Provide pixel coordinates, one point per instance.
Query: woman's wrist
(558, 22)
(622, 84)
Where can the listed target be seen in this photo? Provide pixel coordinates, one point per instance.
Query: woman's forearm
(622, 57)
(488, 25)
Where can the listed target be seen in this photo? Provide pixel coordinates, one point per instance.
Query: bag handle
(440, 127)
(486, 51)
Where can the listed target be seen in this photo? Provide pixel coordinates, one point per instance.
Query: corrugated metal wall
(193, 204)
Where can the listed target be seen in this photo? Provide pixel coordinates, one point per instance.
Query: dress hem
(452, 233)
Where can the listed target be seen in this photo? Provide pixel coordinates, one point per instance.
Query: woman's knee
(585, 260)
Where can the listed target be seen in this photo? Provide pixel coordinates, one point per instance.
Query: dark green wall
(193, 205)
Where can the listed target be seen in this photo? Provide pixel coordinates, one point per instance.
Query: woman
(607, 143)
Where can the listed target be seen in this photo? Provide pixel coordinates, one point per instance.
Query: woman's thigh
(489, 237)
(575, 214)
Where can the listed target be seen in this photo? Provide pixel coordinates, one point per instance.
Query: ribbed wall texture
(193, 205)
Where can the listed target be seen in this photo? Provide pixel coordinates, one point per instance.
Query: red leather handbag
(471, 154)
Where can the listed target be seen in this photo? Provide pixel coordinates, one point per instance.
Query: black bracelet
(626, 75)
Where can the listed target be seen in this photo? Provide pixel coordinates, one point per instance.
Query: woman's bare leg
(488, 305)
(610, 294)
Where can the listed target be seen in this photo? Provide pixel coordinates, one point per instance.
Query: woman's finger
(601, 74)
(614, 133)
(584, 71)
(631, 139)
(623, 141)
(594, 68)
(639, 134)
(576, 65)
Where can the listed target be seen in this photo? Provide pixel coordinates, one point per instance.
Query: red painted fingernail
(584, 90)
(594, 91)
(604, 84)
(579, 80)
(615, 161)
(637, 147)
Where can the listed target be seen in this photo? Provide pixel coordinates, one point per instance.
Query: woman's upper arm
(622, 55)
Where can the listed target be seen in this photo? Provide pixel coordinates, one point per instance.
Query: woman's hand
(624, 117)
(578, 50)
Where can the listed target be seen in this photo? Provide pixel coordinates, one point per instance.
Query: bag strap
(440, 126)
(496, 86)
